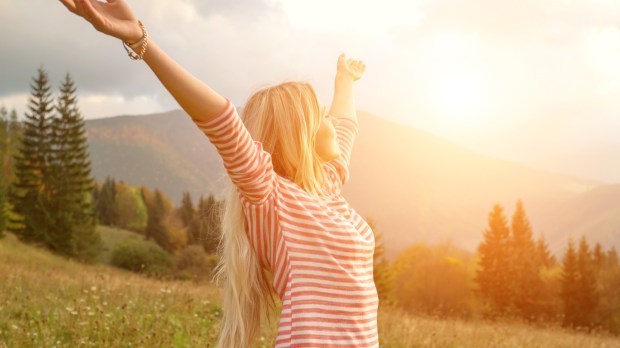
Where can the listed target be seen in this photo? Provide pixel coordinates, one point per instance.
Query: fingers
(70, 5)
(90, 13)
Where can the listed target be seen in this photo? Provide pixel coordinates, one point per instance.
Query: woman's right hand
(113, 17)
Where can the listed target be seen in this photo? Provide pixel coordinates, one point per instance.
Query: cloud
(548, 67)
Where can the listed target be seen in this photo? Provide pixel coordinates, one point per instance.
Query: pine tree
(612, 258)
(74, 232)
(29, 194)
(189, 218)
(105, 203)
(155, 227)
(525, 282)
(543, 254)
(569, 286)
(493, 276)
(587, 295)
(598, 258)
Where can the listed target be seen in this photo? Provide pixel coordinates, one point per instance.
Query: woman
(286, 227)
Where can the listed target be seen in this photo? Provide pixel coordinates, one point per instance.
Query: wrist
(342, 76)
(136, 34)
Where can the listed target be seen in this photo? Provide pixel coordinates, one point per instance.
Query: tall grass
(47, 301)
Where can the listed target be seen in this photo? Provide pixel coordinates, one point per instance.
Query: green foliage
(156, 229)
(189, 218)
(51, 194)
(432, 280)
(523, 266)
(105, 203)
(142, 257)
(29, 195)
(493, 277)
(570, 287)
(129, 208)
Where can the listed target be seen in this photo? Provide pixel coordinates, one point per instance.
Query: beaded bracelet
(142, 42)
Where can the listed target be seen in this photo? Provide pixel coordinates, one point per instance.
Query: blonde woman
(287, 230)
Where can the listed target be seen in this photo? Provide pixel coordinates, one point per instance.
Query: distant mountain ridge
(414, 185)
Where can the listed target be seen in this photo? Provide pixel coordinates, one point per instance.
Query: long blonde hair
(285, 119)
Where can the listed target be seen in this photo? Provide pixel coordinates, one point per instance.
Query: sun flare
(457, 86)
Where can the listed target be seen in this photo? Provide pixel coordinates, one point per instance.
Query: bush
(193, 263)
(142, 257)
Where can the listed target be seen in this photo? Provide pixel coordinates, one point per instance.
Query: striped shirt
(320, 251)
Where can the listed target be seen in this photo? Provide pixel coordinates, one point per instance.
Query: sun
(459, 96)
(456, 83)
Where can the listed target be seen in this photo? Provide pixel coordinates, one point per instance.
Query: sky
(531, 81)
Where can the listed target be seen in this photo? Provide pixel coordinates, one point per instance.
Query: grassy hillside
(47, 301)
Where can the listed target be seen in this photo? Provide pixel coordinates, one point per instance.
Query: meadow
(48, 301)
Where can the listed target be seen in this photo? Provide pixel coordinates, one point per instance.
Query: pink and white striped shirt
(320, 250)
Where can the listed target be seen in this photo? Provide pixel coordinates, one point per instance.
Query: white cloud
(545, 68)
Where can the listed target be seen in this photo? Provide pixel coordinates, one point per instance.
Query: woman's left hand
(350, 67)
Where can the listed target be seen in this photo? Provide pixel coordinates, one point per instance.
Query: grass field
(47, 301)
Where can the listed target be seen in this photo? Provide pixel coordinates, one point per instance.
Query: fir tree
(543, 255)
(492, 276)
(569, 286)
(74, 232)
(612, 258)
(525, 282)
(105, 202)
(29, 194)
(598, 257)
(155, 228)
(587, 295)
(189, 218)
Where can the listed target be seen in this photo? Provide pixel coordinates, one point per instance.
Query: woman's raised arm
(115, 18)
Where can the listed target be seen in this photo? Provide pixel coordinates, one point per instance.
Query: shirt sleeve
(247, 164)
(346, 131)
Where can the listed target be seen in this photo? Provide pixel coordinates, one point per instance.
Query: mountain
(415, 186)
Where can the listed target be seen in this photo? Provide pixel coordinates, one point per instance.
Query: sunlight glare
(361, 17)
(457, 85)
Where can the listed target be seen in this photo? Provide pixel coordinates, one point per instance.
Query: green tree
(598, 257)
(29, 195)
(543, 255)
(130, 211)
(72, 207)
(570, 286)
(492, 275)
(608, 313)
(586, 282)
(431, 280)
(612, 257)
(155, 227)
(189, 218)
(524, 269)
(106, 199)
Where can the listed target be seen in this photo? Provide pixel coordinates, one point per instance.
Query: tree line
(510, 276)
(48, 196)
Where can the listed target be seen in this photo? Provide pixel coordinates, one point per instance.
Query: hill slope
(46, 301)
(416, 186)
